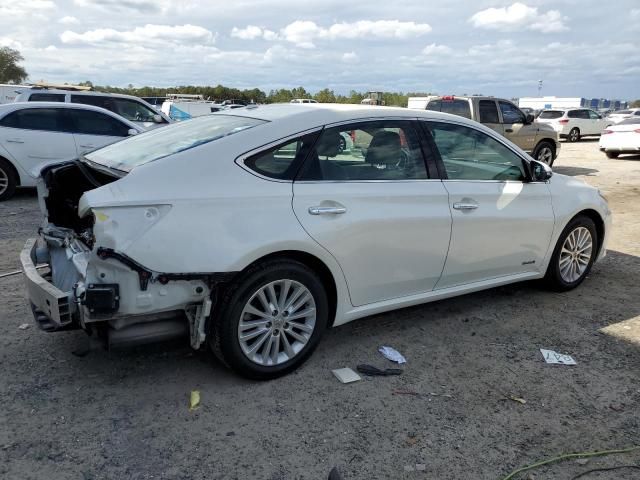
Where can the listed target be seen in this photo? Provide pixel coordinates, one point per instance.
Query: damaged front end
(91, 283)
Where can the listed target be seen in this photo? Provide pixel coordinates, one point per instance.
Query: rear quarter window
(46, 97)
(550, 114)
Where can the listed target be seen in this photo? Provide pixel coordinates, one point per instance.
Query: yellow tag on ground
(194, 400)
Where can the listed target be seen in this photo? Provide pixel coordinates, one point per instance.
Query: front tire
(573, 256)
(270, 320)
(574, 135)
(8, 180)
(612, 154)
(545, 152)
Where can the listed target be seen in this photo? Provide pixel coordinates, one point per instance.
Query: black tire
(8, 176)
(553, 278)
(223, 338)
(574, 135)
(543, 149)
(612, 154)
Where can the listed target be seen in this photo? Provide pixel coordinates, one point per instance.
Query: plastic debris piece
(372, 371)
(518, 399)
(421, 467)
(194, 400)
(557, 358)
(346, 375)
(24, 326)
(392, 354)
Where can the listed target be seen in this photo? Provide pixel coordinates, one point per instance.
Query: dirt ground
(124, 414)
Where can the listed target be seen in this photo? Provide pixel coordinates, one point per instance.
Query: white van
(8, 92)
(131, 108)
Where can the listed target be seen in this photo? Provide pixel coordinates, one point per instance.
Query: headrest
(384, 148)
(329, 144)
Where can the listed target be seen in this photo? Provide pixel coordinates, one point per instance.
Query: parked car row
(574, 123)
(623, 138)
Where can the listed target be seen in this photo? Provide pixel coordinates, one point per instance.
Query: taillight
(607, 132)
(637, 130)
(564, 121)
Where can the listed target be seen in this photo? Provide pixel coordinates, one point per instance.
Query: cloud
(435, 49)
(21, 7)
(519, 16)
(303, 32)
(147, 35)
(350, 57)
(251, 32)
(143, 6)
(69, 20)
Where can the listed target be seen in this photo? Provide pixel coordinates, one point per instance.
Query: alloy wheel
(574, 135)
(575, 254)
(545, 155)
(4, 181)
(277, 322)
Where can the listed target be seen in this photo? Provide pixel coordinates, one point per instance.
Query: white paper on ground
(346, 375)
(554, 357)
(392, 354)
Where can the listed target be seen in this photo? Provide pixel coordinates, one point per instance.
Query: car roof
(79, 92)
(10, 107)
(315, 114)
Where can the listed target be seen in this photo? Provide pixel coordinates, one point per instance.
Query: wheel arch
(315, 264)
(598, 221)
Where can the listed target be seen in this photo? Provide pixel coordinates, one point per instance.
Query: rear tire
(545, 152)
(274, 343)
(573, 256)
(574, 135)
(612, 154)
(8, 180)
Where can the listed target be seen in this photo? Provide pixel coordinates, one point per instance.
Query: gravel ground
(124, 414)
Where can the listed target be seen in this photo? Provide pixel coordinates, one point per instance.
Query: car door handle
(508, 130)
(327, 210)
(14, 140)
(88, 146)
(465, 206)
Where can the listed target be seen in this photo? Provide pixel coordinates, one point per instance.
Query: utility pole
(539, 87)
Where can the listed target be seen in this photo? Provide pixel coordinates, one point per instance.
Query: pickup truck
(537, 139)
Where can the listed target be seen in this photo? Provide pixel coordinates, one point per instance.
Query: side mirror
(540, 171)
(158, 118)
(132, 131)
(530, 119)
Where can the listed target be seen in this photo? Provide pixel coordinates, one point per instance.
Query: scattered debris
(617, 407)
(557, 358)
(518, 399)
(231, 434)
(411, 440)
(346, 375)
(372, 371)
(582, 461)
(392, 354)
(405, 392)
(24, 326)
(421, 467)
(194, 400)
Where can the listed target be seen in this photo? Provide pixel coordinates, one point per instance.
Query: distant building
(538, 103)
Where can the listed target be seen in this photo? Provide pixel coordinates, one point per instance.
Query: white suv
(575, 123)
(129, 107)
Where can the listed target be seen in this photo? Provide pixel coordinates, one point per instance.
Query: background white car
(573, 124)
(32, 134)
(620, 115)
(253, 232)
(131, 108)
(621, 138)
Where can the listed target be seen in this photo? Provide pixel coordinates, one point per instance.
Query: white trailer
(540, 103)
(418, 103)
(8, 93)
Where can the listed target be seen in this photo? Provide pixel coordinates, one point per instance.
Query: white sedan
(32, 134)
(252, 232)
(621, 138)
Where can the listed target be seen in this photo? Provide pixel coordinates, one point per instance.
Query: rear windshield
(455, 107)
(551, 114)
(630, 121)
(622, 112)
(164, 141)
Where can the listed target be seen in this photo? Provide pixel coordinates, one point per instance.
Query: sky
(582, 48)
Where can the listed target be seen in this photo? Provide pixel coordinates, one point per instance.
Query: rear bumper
(52, 308)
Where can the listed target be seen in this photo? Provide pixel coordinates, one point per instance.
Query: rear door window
(46, 119)
(488, 111)
(456, 107)
(87, 122)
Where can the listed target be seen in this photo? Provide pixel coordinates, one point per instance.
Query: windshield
(161, 142)
(551, 114)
